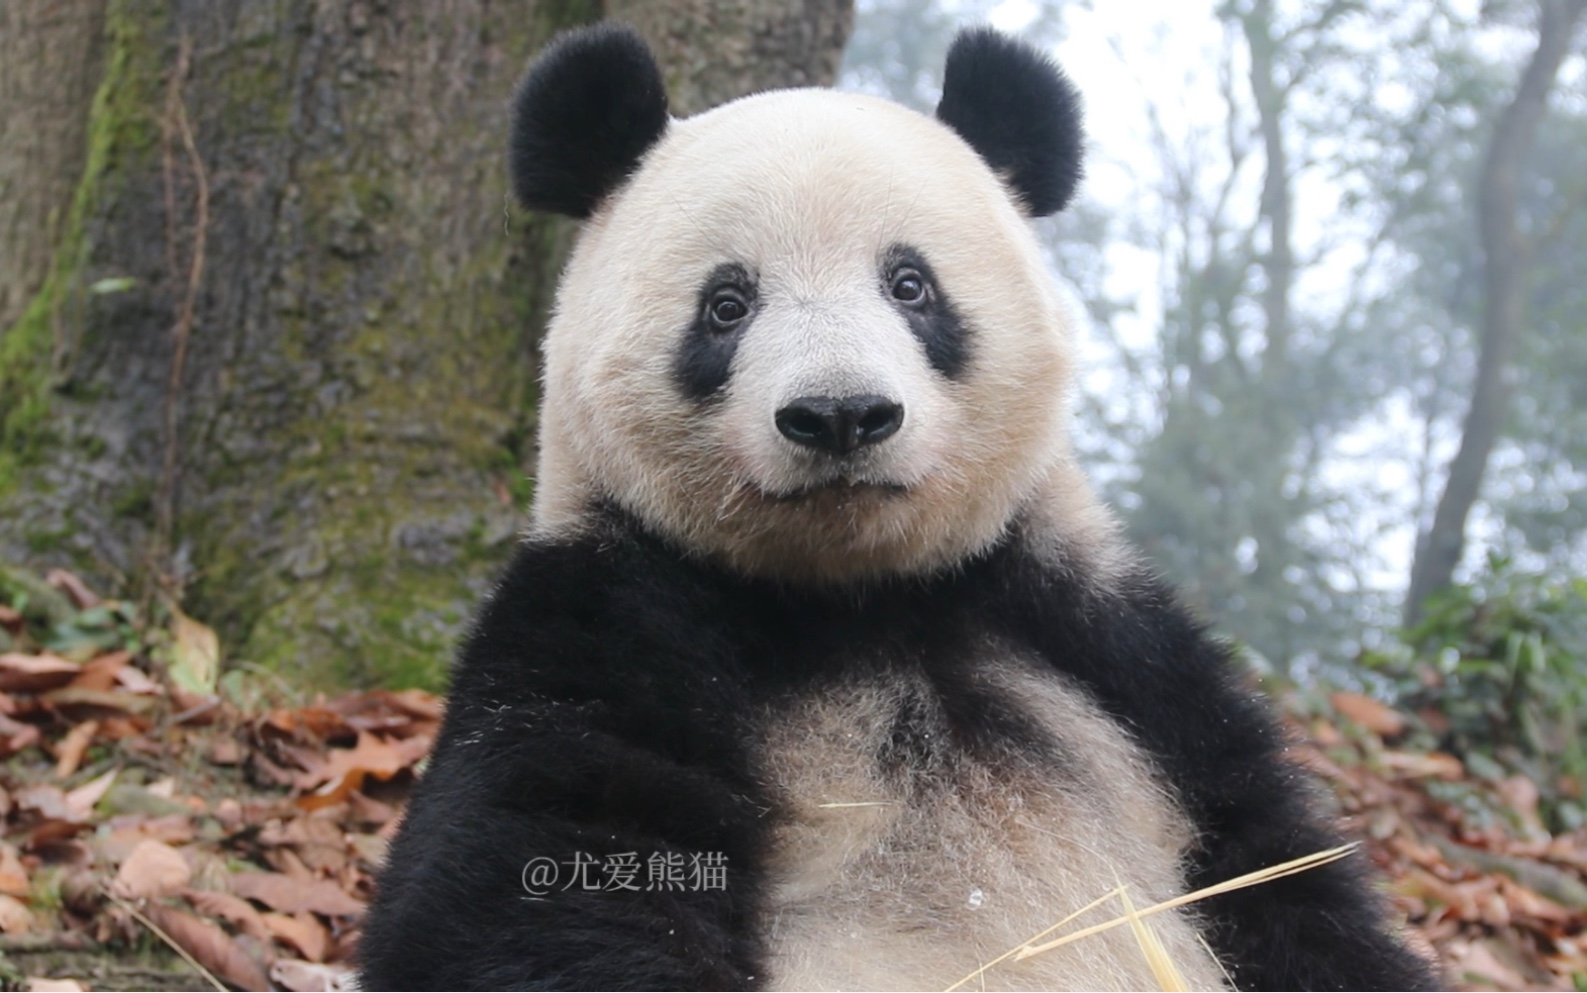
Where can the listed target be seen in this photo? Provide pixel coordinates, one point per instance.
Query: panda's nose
(840, 425)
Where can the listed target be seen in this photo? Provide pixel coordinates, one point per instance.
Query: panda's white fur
(835, 180)
(911, 689)
(881, 885)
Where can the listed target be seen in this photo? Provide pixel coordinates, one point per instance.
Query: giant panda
(821, 667)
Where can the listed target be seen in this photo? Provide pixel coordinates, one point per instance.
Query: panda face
(812, 336)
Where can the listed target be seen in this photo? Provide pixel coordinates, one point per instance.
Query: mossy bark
(348, 410)
(275, 352)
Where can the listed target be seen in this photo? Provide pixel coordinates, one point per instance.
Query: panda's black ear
(1019, 112)
(591, 106)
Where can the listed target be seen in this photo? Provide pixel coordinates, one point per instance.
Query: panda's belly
(909, 871)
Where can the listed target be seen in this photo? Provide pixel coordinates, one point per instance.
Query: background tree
(1507, 255)
(268, 344)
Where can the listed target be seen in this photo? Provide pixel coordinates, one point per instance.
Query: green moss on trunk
(121, 128)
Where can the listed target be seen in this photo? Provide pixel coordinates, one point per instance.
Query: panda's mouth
(842, 488)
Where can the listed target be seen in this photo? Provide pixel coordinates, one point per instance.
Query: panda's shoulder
(1148, 661)
(606, 613)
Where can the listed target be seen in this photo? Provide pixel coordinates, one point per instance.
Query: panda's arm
(1178, 691)
(573, 741)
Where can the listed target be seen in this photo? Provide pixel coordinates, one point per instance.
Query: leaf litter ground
(165, 830)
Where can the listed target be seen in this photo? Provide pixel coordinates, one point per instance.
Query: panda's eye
(909, 287)
(727, 309)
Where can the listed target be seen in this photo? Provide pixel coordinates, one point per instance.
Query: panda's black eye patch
(727, 300)
(908, 281)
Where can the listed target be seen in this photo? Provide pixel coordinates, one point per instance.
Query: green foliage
(52, 624)
(1500, 667)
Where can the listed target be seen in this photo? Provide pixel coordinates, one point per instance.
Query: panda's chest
(919, 835)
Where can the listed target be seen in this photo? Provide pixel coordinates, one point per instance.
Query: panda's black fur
(613, 694)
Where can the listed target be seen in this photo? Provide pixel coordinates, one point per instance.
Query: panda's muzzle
(840, 425)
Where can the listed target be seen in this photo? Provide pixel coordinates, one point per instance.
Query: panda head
(807, 334)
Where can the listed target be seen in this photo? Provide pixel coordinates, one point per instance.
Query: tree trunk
(713, 51)
(276, 353)
(1504, 276)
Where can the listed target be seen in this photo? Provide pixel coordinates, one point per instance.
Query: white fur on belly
(911, 879)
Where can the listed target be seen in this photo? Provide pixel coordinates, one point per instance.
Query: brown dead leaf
(1488, 959)
(15, 736)
(1376, 717)
(210, 946)
(80, 802)
(290, 895)
(99, 673)
(371, 848)
(302, 831)
(137, 681)
(344, 770)
(302, 932)
(311, 977)
(15, 917)
(225, 751)
(1440, 765)
(43, 984)
(367, 810)
(98, 700)
(82, 891)
(153, 869)
(83, 597)
(1526, 902)
(1418, 883)
(35, 673)
(69, 753)
(426, 706)
(232, 909)
(13, 875)
(45, 800)
(313, 721)
(116, 845)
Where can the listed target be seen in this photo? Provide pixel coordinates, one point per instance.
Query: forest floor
(165, 829)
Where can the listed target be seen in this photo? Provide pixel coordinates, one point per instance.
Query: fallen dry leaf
(302, 932)
(34, 673)
(345, 769)
(73, 587)
(73, 696)
(69, 753)
(195, 654)
(136, 681)
(225, 751)
(311, 977)
(214, 949)
(13, 875)
(1437, 764)
(313, 721)
(41, 984)
(99, 673)
(233, 909)
(80, 802)
(1379, 718)
(46, 800)
(290, 895)
(16, 735)
(153, 869)
(15, 917)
